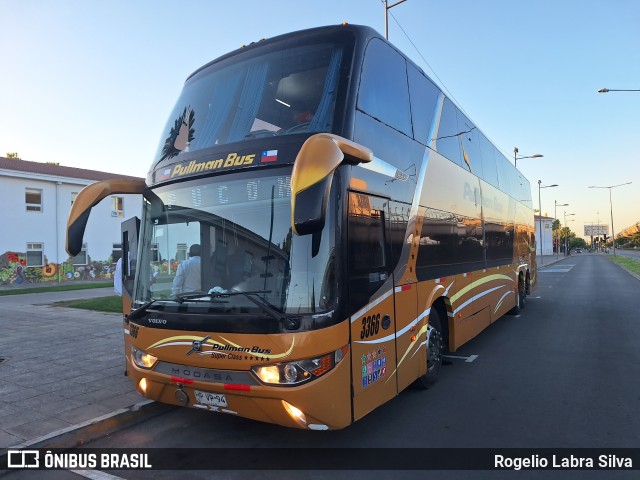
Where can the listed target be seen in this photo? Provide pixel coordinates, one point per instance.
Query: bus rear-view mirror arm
(312, 174)
(87, 199)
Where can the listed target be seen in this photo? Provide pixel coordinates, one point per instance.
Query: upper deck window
(278, 92)
(383, 92)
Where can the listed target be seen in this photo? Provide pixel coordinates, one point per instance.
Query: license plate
(213, 399)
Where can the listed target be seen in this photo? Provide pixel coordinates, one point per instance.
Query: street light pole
(607, 90)
(516, 157)
(555, 217)
(613, 232)
(566, 238)
(540, 187)
(388, 7)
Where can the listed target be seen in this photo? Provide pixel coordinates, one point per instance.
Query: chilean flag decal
(269, 156)
(166, 173)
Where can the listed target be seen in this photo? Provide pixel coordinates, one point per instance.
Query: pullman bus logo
(196, 346)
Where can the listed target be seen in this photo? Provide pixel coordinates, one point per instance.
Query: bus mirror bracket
(312, 174)
(89, 197)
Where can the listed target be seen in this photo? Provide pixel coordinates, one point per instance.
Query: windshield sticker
(180, 135)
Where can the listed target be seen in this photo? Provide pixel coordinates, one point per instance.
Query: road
(564, 373)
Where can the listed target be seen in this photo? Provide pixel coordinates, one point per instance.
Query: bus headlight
(142, 359)
(300, 371)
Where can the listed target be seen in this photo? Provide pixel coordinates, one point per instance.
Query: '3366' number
(370, 326)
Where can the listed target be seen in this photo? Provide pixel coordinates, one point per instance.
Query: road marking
(555, 270)
(468, 359)
(96, 475)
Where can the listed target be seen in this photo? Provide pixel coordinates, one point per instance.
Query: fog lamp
(295, 413)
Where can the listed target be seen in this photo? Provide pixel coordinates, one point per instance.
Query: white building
(544, 244)
(36, 199)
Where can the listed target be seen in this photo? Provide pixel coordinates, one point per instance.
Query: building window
(116, 252)
(117, 206)
(33, 199)
(81, 257)
(35, 255)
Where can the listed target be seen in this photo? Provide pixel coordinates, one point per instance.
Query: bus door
(130, 231)
(372, 301)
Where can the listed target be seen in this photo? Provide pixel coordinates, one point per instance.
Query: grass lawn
(55, 288)
(629, 263)
(111, 304)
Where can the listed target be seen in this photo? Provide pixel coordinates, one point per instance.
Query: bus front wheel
(435, 350)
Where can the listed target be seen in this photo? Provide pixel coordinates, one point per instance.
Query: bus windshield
(284, 91)
(233, 235)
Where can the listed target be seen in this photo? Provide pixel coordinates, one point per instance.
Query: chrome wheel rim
(434, 348)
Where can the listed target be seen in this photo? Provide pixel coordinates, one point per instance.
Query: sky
(90, 83)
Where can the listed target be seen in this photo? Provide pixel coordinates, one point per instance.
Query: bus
(347, 224)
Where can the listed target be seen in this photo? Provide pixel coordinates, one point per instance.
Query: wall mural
(14, 271)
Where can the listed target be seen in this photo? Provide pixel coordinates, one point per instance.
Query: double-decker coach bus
(350, 225)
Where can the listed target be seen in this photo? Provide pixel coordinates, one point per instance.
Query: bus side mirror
(86, 200)
(312, 174)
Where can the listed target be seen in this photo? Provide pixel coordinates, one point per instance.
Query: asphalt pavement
(62, 379)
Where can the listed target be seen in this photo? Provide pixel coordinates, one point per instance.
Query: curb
(92, 429)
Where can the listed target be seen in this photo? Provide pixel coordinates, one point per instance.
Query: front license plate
(213, 399)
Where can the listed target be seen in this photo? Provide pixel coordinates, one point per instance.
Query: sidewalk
(546, 260)
(62, 371)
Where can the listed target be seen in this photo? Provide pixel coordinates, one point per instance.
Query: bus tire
(521, 299)
(435, 349)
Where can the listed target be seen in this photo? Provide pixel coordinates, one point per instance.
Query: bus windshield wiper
(178, 298)
(291, 323)
(142, 309)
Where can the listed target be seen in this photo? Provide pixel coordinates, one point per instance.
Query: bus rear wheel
(521, 298)
(435, 350)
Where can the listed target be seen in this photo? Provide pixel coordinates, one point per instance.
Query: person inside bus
(235, 265)
(187, 277)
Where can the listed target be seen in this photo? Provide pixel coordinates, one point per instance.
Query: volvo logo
(196, 346)
(157, 320)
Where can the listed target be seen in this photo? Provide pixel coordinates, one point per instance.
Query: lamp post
(613, 232)
(388, 7)
(607, 90)
(566, 238)
(540, 187)
(555, 217)
(516, 157)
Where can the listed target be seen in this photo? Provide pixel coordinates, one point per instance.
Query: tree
(565, 233)
(577, 242)
(555, 227)
(13, 155)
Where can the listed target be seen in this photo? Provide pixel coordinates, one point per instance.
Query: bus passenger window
(383, 90)
(424, 97)
(448, 135)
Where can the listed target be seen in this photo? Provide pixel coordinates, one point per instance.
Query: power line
(444, 87)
